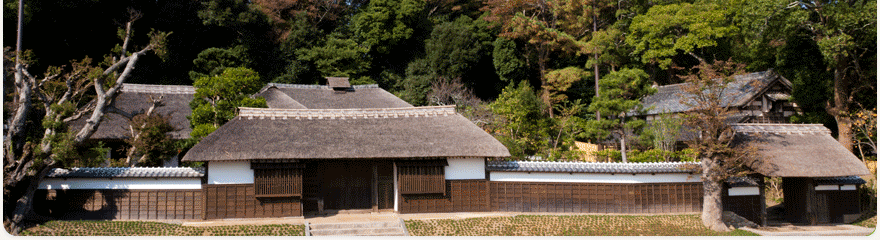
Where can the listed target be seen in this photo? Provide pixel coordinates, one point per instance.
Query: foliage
(212, 61)
(650, 155)
(218, 97)
(338, 57)
(133, 228)
(664, 30)
(153, 144)
(559, 81)
(508, 61)
(664, 131)
(417, 84)
(384, 24)
(619, 93)
(567, 225)
(522, 125)
(865, 130)
(455, 47)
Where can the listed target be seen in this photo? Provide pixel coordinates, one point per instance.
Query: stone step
(358, 232)
(352, 225)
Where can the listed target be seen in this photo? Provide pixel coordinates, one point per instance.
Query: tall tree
(718, 159)
(846, 33)
(61, 94)
(523, 122)
(664, 30)
(547, 26)
(620, 92)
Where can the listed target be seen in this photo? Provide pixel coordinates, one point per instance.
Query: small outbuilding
(819, 177)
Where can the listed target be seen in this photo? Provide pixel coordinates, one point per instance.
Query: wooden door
(822, 210)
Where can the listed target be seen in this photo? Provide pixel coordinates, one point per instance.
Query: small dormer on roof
(339, 83)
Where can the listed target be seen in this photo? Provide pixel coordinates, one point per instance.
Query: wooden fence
(461, 196)
(119, 204)
(238, 201)
(596, 197)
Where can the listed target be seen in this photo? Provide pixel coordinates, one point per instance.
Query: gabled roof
(592, 167)
(136, 98)
(324, 97)
(797, 150)
(126, 172)
(741, 91)
(412, 132)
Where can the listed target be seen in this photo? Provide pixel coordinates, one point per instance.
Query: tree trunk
(24, 205)
(840, 108)
(712, 206)
(623, 147)
(596, 68)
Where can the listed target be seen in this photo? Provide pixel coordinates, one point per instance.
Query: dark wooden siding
(238, 201)
(840, 203)
(282, 182)
(596, 197)
(421, 179)
(748, 207)
(119, 204)
(462, 196)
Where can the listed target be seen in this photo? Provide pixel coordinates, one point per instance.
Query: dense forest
(529, 72)
(536, 74)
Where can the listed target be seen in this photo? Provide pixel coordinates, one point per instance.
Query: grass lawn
(132, 228)
(571, 225)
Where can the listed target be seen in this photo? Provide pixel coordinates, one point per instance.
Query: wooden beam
(375, 187)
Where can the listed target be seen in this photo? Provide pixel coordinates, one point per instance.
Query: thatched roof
(798, 150)
(324, 97)
(741, 91)
(277, 99)
(338, 83)
(136, 98)
(412, 132)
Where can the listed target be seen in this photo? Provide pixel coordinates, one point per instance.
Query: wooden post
(375, 187)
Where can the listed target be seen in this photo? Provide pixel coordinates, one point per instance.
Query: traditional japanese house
(136, 99)
(819, 177)
(341, 148)
(758, 97)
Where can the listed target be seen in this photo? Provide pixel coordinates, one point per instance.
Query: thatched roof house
(745, 89)
(798, 150)
(135, 98)
(339, 96)
(372, 133)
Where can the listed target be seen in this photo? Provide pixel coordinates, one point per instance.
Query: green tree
(667, 30)
(620, 92)
(218, 97)
(384, 24)
(416, 86)
(522, 127)
(559, 81)
(663, 132)
(338, 57)
(213, 61)
(846, 33)
(509, 63)
(454, 48)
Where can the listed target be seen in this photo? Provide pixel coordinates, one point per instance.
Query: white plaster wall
(827, 188)
(848, 187)
(232, 172)
(592, 177)
(121, 183)
(743, 191)
(465, 168)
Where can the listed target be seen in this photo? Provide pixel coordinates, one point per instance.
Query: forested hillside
(526, 71)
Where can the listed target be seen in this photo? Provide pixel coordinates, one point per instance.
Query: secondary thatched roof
(324, 97)
(741, 91)
(277, 99)
(413, 132)
(798, 150)
(136, 98)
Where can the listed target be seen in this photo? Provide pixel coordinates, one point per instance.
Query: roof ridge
(429, 111)
(156, 88)
(780, 128)
(314, 86)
